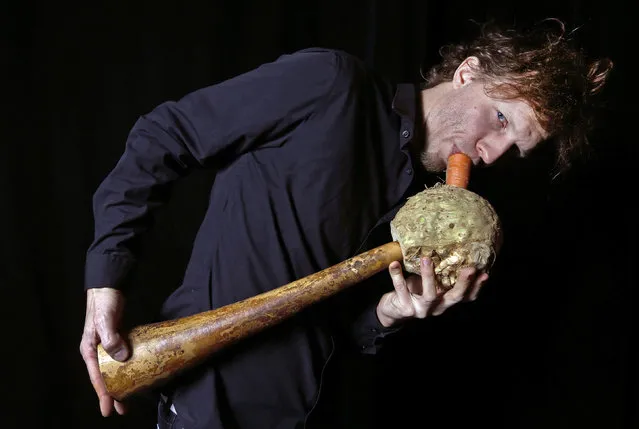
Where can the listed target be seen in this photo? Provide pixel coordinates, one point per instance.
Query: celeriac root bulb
(453, 226)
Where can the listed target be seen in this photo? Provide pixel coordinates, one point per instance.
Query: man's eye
(502, 118)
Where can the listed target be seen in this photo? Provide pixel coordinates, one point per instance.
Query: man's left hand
(416, 296)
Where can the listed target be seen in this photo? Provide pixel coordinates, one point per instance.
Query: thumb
(115, 346)
(107, 307)
(111, 340)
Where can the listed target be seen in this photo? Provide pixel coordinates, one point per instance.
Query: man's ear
(466, 72)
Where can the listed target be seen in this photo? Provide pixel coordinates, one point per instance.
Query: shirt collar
(405, 104)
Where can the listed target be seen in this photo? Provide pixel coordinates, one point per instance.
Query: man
(314, 153)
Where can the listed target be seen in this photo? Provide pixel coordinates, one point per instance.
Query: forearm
(124, 203)
(210, 128)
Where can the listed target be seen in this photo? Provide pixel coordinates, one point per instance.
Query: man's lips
(454, 150)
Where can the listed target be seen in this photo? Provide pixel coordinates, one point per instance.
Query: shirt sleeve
(354, 314)
(369, 333)
(358, 321)
(208, 128)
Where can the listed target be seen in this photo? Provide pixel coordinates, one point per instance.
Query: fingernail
(120, 355)
(426, 262)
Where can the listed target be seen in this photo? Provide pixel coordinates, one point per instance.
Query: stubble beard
(431, 162)
(450, 121)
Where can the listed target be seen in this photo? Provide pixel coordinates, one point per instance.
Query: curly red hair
(541, 67)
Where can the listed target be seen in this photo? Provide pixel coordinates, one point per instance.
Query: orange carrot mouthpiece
(458, 170)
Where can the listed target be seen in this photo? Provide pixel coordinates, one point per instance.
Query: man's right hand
(104, 311)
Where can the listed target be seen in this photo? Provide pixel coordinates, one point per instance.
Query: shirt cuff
(106, 270)
(372, 332)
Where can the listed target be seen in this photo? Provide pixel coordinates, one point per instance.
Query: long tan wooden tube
(162, 350)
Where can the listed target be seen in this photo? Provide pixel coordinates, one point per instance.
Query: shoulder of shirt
(325, 52)
(340, 60)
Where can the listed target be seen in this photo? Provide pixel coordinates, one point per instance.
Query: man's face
(465, 119)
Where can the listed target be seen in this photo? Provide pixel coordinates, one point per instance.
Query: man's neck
(431, 98)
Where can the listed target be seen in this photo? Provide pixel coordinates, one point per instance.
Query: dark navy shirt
(312, 159)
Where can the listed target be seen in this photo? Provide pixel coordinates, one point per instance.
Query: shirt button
(409, 171)
(405, 134)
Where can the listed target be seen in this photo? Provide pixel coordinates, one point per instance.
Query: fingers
(467, 287)
(101, 322)
(429, 281)
(399, 283)
(476, 287)
(416, 294)
(119, 407)
(88, 352)
(457, 293)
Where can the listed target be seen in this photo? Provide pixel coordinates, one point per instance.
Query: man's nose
(491, 149)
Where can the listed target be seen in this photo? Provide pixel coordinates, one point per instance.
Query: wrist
(383, 319)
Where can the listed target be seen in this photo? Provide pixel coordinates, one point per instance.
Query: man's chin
(432, 164)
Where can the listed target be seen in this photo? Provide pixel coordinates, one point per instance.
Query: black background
(549, 344)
